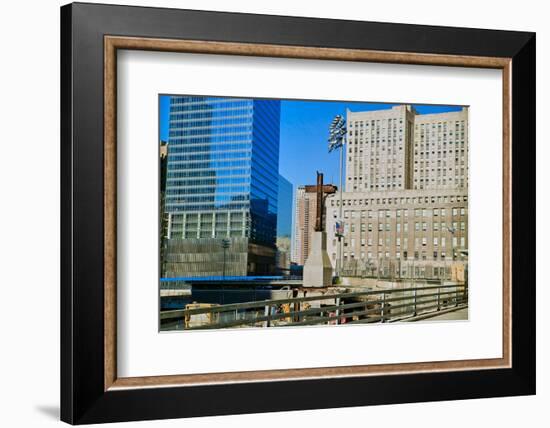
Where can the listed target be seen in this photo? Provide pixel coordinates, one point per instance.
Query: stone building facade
(398, 149)
(403, 233)
(405, 208)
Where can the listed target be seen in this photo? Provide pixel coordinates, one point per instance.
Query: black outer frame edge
(133, 21)
(66, 304)
(83, 398)
(524, 218)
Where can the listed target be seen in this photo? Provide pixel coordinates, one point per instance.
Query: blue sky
(304, 132)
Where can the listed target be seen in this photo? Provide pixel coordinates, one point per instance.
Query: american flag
(339, 228)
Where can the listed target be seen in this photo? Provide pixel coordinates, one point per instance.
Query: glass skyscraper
(284, 209)
(221, 184)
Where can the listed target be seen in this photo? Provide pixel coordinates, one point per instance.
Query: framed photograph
(266, 213)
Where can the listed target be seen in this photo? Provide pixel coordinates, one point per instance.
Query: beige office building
(405, 209)
(398, 149)
(403, 233)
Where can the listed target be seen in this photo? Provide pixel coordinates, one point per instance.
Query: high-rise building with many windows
(398, 149)
(305, 209)
(405, 205)
(221, 186)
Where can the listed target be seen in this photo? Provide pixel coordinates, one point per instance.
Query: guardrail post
(266, 313)
(456, 296)
(337, 311)
(438, 299)
(414, 294)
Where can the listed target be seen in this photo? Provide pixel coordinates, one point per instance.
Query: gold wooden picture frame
(114, 43)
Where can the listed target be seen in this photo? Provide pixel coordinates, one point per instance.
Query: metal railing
(342, 308)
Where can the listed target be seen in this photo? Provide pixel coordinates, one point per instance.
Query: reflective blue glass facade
(223, 162)
(284, 208)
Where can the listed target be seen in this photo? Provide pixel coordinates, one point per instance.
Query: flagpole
(340, 236)
(337, 138)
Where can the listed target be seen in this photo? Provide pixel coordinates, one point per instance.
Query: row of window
(418, 226)
(173, 183)
(457, 242)
(381, 255)
(209, 131)
(240, 154)
(209, 190)
(181, 206)
(215, 147)
(220, 172)
(178, 121)
(230, 111)
(376, 122)
(401, 200)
